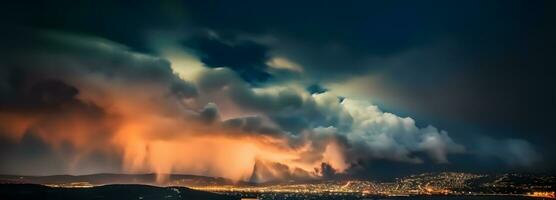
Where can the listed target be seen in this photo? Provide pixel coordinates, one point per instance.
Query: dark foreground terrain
(106, 192)
(145, 192)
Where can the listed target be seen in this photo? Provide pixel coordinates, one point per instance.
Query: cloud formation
(99, 96)
(514, 152)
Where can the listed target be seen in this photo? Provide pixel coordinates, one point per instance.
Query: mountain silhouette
(105, 192)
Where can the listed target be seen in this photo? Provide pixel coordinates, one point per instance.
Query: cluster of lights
(448, 183)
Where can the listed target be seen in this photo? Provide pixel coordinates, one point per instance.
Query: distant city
(436, 184)
(446, 183)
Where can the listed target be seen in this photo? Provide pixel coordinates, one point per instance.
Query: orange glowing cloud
(153, 131)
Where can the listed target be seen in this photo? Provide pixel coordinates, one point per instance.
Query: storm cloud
(207, 88)
(103, 90)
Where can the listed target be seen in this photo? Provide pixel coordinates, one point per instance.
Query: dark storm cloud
(48, 91)
(115, 89)
(210, 113)
(485, 65)
(290, 109)
(316, 89)
(513, 151)
(490, 58)
(253, 124)
(327, 171)
(247, 58)
(45, 94)
(482, 64)
(63, 54)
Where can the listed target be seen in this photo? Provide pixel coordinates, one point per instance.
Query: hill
(102, 179)
(106, 192)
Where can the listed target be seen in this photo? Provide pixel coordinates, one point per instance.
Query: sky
(277, 90)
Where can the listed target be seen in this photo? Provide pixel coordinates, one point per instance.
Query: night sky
(277, 90)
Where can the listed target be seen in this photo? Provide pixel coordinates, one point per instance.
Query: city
(426, 184)
(447, 183)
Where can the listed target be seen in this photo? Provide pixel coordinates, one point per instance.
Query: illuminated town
(447, 183)
(426, 184)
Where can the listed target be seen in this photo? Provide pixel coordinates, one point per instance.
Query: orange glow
(551, 195)
(333, 156)
(15, 124)
(151, 133)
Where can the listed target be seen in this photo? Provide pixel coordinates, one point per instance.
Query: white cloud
(283, 63)
(388, 136)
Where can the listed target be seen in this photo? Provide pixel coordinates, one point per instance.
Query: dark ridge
(106, 178)
(106, 192)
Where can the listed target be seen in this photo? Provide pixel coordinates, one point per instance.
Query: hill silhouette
(103, 179)
(106, 192)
